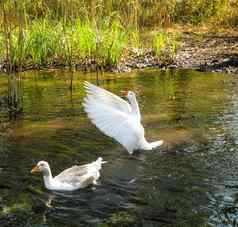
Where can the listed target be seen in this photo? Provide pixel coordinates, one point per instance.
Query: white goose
(117, 118)
(70, 179)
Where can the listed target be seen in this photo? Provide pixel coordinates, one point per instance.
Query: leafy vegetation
(42, 41)
(165, 46)
(70, 32)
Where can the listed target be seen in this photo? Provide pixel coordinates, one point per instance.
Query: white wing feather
(111, 115)
(107, 97)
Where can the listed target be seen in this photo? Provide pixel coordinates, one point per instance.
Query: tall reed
(42, 41)
(113, 40)
(165, 46)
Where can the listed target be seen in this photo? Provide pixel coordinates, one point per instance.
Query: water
(192, 180)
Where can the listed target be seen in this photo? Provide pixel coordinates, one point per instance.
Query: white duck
(117, 118)
(70, 179)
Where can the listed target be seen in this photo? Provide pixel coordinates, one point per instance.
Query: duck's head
(130, 95)
(42, 166)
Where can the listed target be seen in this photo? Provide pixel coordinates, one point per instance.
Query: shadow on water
(190, 181)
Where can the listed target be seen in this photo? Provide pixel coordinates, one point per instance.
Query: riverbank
(118, 37)
(213, 53)
(203, 52)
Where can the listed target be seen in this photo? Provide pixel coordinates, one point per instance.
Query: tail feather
(99, 163)
(149, 146)
(156, 144)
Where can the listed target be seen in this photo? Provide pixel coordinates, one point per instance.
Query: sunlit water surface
(192, 180)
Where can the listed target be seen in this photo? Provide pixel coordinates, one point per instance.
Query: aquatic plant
(17, 51)
(2, 54)
(134, 39)
(165, 46)
(86, 39)
(83, 41)
(112, 40)
(77, 42)
(42, 41)
(159, 43)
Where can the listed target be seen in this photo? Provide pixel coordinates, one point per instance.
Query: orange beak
(35, 169)
(124, 93)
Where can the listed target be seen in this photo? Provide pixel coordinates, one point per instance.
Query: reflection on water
(190, 181)
(11, 98)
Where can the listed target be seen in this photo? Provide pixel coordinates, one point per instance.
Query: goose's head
(42, 166)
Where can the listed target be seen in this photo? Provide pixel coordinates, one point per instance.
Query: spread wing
(111, 115)
(104, 96)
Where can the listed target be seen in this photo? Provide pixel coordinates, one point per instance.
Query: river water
(192, 180)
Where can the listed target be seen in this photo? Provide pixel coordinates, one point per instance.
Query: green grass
(112, 39)
(82, 41)
(2, 47)
(46, 41)
(160, 42)
(165, 46)
(42, 41)
(77, 42)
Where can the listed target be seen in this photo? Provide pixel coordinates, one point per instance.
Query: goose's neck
(47, 176)
(135, 108)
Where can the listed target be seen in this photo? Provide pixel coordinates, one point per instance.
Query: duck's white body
(70, 179)
(117, 118)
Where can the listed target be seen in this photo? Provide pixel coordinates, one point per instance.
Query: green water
(190, 181)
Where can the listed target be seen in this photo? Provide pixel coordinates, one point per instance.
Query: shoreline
(212, 53)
